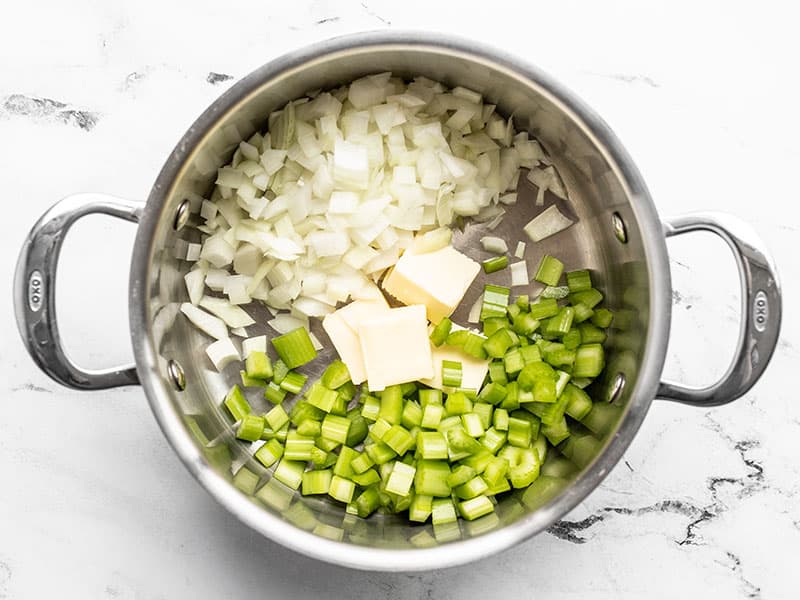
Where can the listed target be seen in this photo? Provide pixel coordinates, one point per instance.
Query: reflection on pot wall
(617, 269)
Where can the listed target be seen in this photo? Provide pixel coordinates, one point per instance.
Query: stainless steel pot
(618, 235)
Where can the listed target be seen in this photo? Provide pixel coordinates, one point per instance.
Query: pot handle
(761, 309)
(35, 290)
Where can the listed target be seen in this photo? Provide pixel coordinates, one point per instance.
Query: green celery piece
(499, 342)
(336, 375)
(441, 331)
(295, 348)
(451, 373)
(589, 361)
(492, 393)
(293, 382)
(579, 280)
(412, 414)
(269, 453)
(590, 297)
(237, 404)
(497, 372)
(549, 270)
(250, 428)
(258, 365)
(591, 334)
(473, 345)
(248, 381)
(392, 404)
(279, 371)
(316, 482)
(602, 318)
(492, 324)
(496, 263)
(544, 308)
(431, 478)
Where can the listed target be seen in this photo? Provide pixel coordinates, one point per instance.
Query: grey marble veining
(706, 503)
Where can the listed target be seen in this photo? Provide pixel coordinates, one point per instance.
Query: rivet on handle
(181, 215)
(176, 375)
(615, 389)
(620, 230)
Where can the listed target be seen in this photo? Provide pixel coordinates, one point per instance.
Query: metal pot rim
(453, 553)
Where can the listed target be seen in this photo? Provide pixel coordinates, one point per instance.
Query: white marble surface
(93, 503)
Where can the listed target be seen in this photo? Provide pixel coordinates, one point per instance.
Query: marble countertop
(93, 96)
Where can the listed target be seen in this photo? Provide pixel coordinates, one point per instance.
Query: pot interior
(600, 191)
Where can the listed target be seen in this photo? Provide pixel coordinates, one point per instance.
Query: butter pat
(342, 328)
(473, 370)
(395, 347)
(437, 279)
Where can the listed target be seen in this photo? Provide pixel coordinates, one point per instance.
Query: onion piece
(205, 322)
(233, 315)
(195, 282)
(549, 222)
(222, 353)
(519, 273)
(475, 312)
(520, 251)
(494, 244)
(284, 323)
(432, 240)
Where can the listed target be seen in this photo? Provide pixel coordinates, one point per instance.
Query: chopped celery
(590, 297)
(451, 373)
(293, 382)
(371, 408)
(392, 404)
(237, 404)
(427, 397)
(473, 345)
(549, 270)
(602, 318)
(500, 419)
(412, 415)
(248, 381)
(591, 334)
(544, 308)
(431, 445)
(279, 371)
(250, 428)
(431, 478)
(495, 301)
(335, 428)
(341, 489)
(401, 479)
(398, 439)
(475, 507)
(421, 508)
(496, 263)
(258, 365)
(316, 482)
(295, 348)
(289, 472)
(492, 324)
(499, 342)
(589, 361)
(497, 373)
(321, 397)
(472, 424)
(457, 403)
(277, 417)
(484, 412)
(441, 331)
(269, 453)
(432, 416)
(336, 375)
(579, 280)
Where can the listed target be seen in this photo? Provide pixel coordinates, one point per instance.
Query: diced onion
(213, 326)
(494, 244)
(548, 223)
(222, 352)
(519, 273)
(304, 216)
(520, 251)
